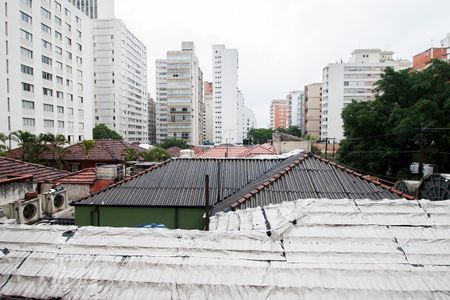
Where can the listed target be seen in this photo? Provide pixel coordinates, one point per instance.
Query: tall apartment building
(228, 103)
(280, 114)
(312, 109)
(120, 79)
(208, 118)
(151, 107)
(354, 80)
(179, 96)
(297, 111)
(95, 8)
(46, 69)
(249, 120)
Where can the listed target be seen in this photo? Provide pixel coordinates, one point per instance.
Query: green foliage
(174, 142)
(130, 154)
(292, 130)
(3, 147)
(384, 136)
(155, 155)
(88, 145)
(260, 135)
(101, 131)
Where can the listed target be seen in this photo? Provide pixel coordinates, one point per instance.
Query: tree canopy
(408, 121)
(101, 131)
(155, 155)
(171, 142)
(260, 135)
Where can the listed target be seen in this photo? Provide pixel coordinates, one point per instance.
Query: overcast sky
(283, 44)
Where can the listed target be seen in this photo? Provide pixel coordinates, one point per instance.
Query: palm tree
(26, 141)
(88, 145)
(59, 151)
(3, 147)
(130, 154)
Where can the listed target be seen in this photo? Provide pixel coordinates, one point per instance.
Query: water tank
(107, 172)
(435, 187)
(187, 153)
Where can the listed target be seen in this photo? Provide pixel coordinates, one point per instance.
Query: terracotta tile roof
(17, 153)
(236, 151)
(86, 176)
(104, 150)
(174, 151)
(9, 166)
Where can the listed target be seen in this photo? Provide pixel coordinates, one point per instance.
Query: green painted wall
(185, 218)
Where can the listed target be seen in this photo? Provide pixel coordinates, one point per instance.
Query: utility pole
(206, 202)
(326, 148)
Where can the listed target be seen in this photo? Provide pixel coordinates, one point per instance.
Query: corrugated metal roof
(308, 177)
(9, 166)
(181, 182)
(318, 249)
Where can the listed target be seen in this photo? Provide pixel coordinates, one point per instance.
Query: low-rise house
(173, 193)
(306, 249)
(283, 143)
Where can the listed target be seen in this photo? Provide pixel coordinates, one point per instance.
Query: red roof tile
(9, 166)
(85, 176)
(236, 151)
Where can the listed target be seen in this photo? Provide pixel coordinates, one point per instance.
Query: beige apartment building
(313, 99)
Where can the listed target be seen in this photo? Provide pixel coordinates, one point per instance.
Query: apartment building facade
(120, 80)
(208, 113)
(280, 114)
(151, 107)
(297, 110)
(179, 96)
(312, 109)
(354, 80)
(46, 69)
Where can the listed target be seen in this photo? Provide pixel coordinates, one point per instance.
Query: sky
(283, 44)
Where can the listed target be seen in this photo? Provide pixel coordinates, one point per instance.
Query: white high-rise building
(297, 108)
(120, 77)
(344, 82)
(179, 96)
(445, 43)
(95, 9)
(46, 69)
(249, 120)
(228, 104)
(161, 100)
(208, 122)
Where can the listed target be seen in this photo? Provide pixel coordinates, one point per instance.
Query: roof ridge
(107, 150)
(270, 180)
(364, 177)
(125, 180)
(34, 164)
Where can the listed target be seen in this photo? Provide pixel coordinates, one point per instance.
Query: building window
(59, 95)
(26, 18)
(26, 70)
(26, 2)
(58, 50)
(68, 41)
(46, 60)
(60, 124)
(47, 76)
(26, 87)
(45, 13)
(48, 107)
(27, 104)
(67, 12)
(46, 45)
(57, 6)
(70, 112)
(58, 35)
(28, 122)
(47, 92)
(26, 35)
(59, 80)
(58, 21)
(79, 60)
(49, 123)
(59, 65)
(46, 29)
(26, 53)
(60, 109)
(69, 55)
(79, 34)
(68, 27)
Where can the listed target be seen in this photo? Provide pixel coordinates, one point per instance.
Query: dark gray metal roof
(181, 182)
(308, 177)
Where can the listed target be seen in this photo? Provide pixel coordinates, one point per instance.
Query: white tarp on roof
(317, 249)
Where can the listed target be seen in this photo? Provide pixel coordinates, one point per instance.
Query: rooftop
(317, 249)
(86, 176)
(241, 183)
(9, 166)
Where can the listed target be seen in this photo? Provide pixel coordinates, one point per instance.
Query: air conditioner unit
(24, 211)
(54, 201)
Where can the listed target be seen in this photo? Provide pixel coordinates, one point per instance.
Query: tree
(260, 135)
(408, 121)
(130, 154)
(292, 130)
(155, 154)
(3, 147)
(101, 131)
(172, 142)
(88, 145)
(26, 141)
